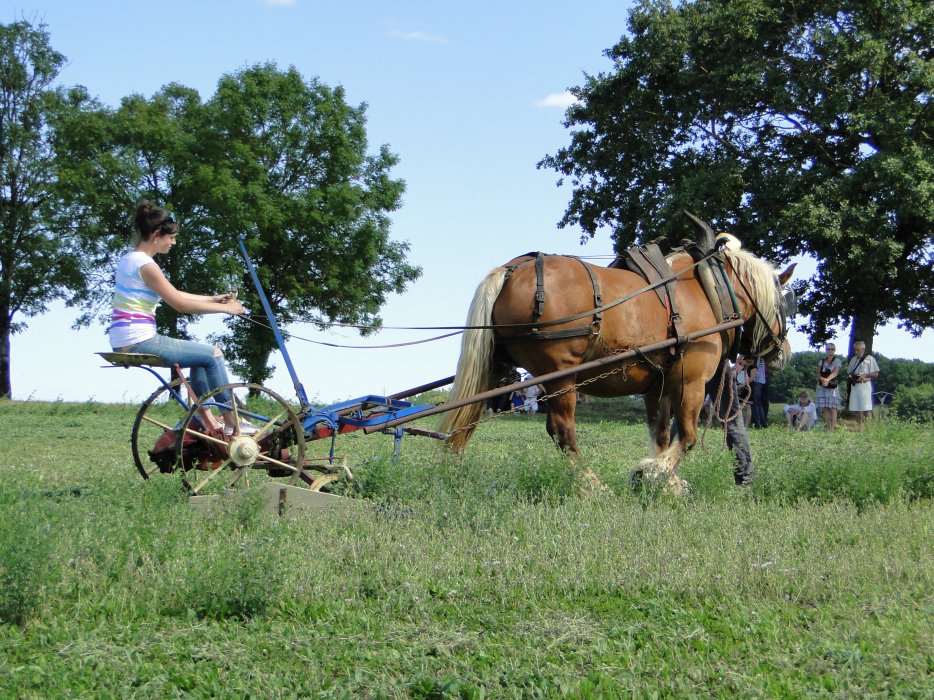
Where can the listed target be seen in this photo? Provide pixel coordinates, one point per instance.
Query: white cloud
(279, 3)
(558, 99)
(418, 36)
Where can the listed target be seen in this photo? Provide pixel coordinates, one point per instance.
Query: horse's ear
(786, 275)
(706, 238)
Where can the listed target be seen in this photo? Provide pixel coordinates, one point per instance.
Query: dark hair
(150, 219)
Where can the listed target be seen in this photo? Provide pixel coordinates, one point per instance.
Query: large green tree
(804, 127)
(301, 184)
(144, 149)
(282, 160)
(39, 262)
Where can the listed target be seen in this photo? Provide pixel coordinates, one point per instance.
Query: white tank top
(134, 305)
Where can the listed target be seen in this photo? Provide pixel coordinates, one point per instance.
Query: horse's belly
(624, 379)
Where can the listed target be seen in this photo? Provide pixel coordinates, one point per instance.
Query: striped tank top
(134, 305)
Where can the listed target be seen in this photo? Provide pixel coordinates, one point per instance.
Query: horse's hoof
(651, 469)
(635, 479)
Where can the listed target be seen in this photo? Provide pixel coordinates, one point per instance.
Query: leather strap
(539, 308)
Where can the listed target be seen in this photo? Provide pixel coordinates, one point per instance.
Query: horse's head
(772, 303)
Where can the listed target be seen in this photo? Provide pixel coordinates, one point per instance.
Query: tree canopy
(805, 128)
(283, 161)
(39, 263)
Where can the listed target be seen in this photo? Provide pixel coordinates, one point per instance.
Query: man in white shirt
(760, 396)
(861, 370)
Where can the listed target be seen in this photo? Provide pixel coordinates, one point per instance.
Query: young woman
(828, 396)
(141, 287)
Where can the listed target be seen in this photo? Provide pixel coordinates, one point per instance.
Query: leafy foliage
(271, 156)
(915, 403)
(803, 128)
(39, 262)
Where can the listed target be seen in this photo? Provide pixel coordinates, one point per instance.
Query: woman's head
(151, 220)
(830, 348)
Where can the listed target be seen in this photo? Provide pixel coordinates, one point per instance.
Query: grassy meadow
(488, 577)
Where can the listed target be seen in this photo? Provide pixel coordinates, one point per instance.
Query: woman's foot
(246, 428)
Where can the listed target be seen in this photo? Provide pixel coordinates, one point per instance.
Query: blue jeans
(208, 370)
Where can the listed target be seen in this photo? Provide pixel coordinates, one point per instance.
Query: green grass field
(489, 577)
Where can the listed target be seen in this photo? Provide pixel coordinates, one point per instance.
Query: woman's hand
(233, 307)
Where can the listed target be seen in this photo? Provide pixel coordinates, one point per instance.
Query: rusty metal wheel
(152, 440)
(212, 459)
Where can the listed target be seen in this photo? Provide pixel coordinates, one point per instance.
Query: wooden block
(283, 499)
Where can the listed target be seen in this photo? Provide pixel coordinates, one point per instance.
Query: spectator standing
(861, 370)
(760, 396)
(828, 394)
(802, 415)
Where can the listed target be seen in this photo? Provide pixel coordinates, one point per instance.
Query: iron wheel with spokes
(213, 460)
(152, 440)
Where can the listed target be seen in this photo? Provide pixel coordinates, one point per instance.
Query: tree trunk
(862, 327)
(6, 389)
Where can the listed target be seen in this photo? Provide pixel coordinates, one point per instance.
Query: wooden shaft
(551, 376)
(421, 389)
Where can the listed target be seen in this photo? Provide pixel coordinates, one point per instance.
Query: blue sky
(469, 95)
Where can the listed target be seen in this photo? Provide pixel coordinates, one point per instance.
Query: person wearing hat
(862, 369)
(803, 414)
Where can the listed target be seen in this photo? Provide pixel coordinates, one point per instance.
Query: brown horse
(671, 380)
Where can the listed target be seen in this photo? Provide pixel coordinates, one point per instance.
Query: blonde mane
(759, 277)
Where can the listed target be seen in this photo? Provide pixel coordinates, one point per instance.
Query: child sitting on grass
(803, 414)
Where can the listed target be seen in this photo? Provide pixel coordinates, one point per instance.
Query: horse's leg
(683, 434)
(560, 423)
(560, 426)
(658, 418)
(672, 440)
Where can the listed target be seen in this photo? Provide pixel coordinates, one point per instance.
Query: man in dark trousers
(728, 410)
(732, 416)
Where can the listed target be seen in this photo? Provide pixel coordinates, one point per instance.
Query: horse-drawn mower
(179, 432)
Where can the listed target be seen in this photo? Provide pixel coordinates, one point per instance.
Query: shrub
(914, 403)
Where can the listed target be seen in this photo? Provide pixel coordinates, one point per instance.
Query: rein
(776, 339)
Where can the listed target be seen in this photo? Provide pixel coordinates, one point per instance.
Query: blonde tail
(475, 366)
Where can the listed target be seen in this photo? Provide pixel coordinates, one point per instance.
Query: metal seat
(133, 359)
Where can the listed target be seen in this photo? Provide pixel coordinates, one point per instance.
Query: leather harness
(538, 307)
(651, 265)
